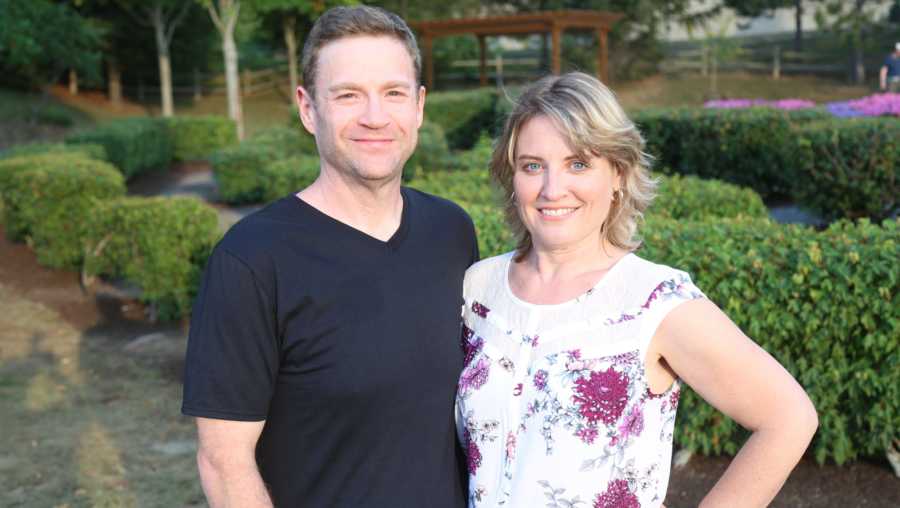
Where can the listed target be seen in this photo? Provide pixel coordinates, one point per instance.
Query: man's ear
(420, 103)
(306, 106)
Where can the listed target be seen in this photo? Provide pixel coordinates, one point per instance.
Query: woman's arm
(709, 352)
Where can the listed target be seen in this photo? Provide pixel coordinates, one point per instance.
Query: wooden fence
(775, 62)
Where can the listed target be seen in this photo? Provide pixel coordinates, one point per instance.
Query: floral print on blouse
(553, 405)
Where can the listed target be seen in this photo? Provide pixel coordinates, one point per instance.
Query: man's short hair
(340, 22)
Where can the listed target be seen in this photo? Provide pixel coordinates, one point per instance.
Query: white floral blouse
(553, 405)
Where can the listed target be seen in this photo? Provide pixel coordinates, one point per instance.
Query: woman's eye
(579, 166)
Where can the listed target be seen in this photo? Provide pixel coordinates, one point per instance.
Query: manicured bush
(91, 151)
(287, 176)
(754, 147)
(471, 186)
(238, 171)
(159, 244)
(134, 145)
(197, 137)
(463, 115)
(494, 236)
(286, 141)
(825, 304)
(432, 153)
(16, 225)
(49, 203)
(849, 168)
(691, 198)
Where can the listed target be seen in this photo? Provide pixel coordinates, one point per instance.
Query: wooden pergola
(552, 22)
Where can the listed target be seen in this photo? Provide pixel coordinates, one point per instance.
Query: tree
(40, 39)
(754, 8)
(224, 15)
(856, 23)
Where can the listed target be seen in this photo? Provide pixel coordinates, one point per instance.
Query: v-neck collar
(392, 243)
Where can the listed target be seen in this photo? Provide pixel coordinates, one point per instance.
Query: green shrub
(824, 304)
(285, 141)
(692, 198)
(197, 137)
(848, 168)
(432, 153)
(463, 115)
(753, 147)
(16, 225)
(159, 244)
(91, 151)
(280, 178)
(460, 186)
(50, 202)
(134, 145)
(239, 172)
(494, 236)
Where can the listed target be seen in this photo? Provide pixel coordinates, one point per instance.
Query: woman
(575, 345)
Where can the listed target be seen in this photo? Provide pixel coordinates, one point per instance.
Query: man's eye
(531, 167)
(396, 93)
(348, 95)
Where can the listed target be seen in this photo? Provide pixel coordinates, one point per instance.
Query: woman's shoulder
(640, 269)
(488, 272)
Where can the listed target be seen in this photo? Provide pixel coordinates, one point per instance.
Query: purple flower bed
(882, 104)
(785, 104)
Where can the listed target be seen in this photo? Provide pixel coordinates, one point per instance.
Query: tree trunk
(73, 82)
(229, 49)
(859, 65)
(114, 83)
(165, 66)
(798, 23)
(290, 40)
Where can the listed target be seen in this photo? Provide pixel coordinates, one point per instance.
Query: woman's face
(562, 199)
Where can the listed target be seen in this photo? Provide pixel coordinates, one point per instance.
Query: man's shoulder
(260, 232)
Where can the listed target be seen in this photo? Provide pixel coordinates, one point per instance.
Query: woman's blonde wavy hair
(589, 116)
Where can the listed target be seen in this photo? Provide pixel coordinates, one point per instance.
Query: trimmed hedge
(750, 147)
(16, 225)
(50, 201)
(196, 137)
(825, 304)
(473, 186)
(432, 152)
(692, 198)
(849, 168)
(134, 145)
(159, 244)
(280, 178)
(90, 151)
(240, 171)
(463, 115)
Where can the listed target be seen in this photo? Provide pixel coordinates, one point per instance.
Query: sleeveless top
(553, 405)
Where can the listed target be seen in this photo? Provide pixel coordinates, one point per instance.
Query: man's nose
(374, 116)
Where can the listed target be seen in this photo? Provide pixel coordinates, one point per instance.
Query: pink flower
(479, 309)
(517, 390)
(587, 434)
(473, 454)
(474, 376)
(540, 379)
(602, 396)
(617, 495)
(633, 423)
(510, 446)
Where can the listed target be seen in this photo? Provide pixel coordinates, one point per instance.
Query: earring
(512, 197)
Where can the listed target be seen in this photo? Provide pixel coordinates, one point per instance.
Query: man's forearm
(232, 483)
(760, 469)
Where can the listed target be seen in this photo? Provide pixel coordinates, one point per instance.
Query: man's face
(367, 110)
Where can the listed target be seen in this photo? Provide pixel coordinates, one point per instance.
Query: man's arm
(226, 459)
(740, 379)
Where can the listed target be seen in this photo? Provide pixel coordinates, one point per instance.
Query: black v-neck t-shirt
(346, 345)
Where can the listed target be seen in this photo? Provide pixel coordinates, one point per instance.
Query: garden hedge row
(72, 211)
(159, 244)
(196, 137)
(91, 151)
(834, 166)
(465, 115)
(134, 145)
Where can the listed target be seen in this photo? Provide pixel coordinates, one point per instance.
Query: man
(889, 76)
(324, 345)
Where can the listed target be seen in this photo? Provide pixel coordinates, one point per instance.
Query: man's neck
(374, 208)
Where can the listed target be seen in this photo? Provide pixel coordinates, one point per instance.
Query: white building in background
(778, 21)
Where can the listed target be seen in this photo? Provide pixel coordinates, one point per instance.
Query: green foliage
(196, 137)
(48, 198)
(848, 168)
(472, 186)
(753, 147)
(91, 151)
(692, 198)
(134, 145)
(432, 153)
(463, 115)
(494, 235)
(285, 141)
(287, 176)
(39, 39)
(17, 226)
(824, 304)
(159, 244)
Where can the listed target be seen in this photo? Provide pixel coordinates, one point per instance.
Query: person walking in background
(575, 346)
(889, 76)
(323, 352)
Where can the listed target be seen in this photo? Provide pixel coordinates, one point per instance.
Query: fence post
(498, 60)
(140, 88)
(776, 62)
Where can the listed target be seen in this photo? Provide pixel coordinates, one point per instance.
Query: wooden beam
(555, 49)
(482, 63)
(602, 56)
